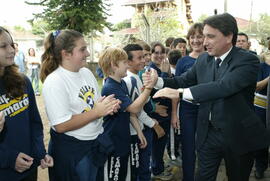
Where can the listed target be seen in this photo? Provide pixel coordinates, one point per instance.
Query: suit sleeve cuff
(187, 94)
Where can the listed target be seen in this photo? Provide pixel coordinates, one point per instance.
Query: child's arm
(135, 123)
(103, 107)
(138, 103)
(174, 119)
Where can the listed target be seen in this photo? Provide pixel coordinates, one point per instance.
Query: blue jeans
(34, 78)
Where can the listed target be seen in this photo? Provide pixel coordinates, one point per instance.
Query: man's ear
(229, 38)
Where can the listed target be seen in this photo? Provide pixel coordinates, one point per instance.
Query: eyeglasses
(158, 53)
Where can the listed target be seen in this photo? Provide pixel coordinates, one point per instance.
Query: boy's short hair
(111, 56)
(174, 56)
(132, 47)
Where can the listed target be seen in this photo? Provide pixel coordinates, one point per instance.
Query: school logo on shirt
(12, 107)
(87, 94)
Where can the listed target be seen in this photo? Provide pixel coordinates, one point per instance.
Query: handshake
(150, 78)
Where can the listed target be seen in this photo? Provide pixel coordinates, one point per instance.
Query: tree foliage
(39, 27)
(260, 29)
(82, 15)
(163, 24)
(122, 25)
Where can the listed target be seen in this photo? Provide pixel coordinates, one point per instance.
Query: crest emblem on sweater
(87, 94)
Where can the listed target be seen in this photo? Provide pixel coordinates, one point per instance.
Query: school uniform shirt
(260, 99)
(69, 93)
(163, 101)
(23, 132)
(117, 125)
(135, 88)
(183, 65)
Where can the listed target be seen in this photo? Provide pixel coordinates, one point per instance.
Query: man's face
(215, 42)
(242, 42)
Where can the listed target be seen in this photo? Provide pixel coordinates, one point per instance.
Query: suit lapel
(225, 64)
(211, 64)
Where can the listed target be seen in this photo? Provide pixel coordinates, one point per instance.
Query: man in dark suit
(223, 81)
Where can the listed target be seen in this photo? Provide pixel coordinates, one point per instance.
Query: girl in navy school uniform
(74, 108)
(21, 140)
(187, 110)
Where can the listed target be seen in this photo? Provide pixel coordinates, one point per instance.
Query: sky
(16, 12)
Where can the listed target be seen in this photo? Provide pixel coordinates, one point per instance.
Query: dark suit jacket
(229, 98)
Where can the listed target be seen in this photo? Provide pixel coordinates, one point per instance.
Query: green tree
(39, 27)
(163, 24)
(19, 28)
(122, 25)
(82, 15)
(260, 29)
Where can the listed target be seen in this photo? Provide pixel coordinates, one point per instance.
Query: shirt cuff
(159, 84)
(187, 94)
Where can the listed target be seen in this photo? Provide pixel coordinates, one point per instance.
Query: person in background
(173, 57)
(21, 147)
(265, 56)
(160, 64)
(75, 109)
(243, 42)
(187, 110)
(168, 42)
(260, 104)
(180, 44)
(33, 64)
(20, 59)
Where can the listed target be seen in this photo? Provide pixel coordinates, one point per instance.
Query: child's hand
(46, 162)
(2, 121)
(107, 105)
(161, 110)
(165, 66)
(143, 142)
(23, 162)
(150, 78)
(159, 130)
(175, 122)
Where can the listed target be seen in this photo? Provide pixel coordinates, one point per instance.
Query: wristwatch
(181, 91)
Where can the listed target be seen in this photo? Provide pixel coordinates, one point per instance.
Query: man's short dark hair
(177, 41)
(243, 34)
(174, 56)
(225, 23)
(132, 47)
